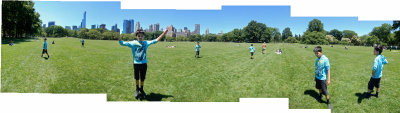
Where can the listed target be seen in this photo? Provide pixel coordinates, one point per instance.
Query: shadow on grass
(16, 41)
(46, 58)
(313, 94)
(360, 96)
(155, 97)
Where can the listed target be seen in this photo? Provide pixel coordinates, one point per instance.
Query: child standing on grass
(376, 71)
(264, 47)
(322, 74)
(139, 51)
(252, 51)
(83, 43)
(197, 50)
(45, 48)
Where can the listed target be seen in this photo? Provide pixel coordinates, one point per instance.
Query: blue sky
(227, 19)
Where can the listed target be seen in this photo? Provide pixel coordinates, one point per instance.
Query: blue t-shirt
(83, 41)
(251, 49)
(45, 45)
(378, 65)
(198, 47)
(139, 51)
(321, 67)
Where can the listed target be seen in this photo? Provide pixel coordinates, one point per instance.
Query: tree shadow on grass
(16, 41)
(155, 97)
(313, 94)
(360, 96)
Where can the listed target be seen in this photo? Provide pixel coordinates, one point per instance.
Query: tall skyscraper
(196, 29)
(156, 27)
(68, 27)
(103, 26)
(207, 31)
(115, 28)
(74, 27)
(51, 23)
(93, 27)
(83, 23)
(128, 26)
(151, 28)
(137, 26)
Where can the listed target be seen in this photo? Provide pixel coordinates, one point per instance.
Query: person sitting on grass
(139, 51)
(11, 43)
(45, 48)
(197, 49)
(376, 71)
(53, 42)
(252, 50)
(322, 74)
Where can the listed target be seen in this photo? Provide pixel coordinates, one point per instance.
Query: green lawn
(224, 73)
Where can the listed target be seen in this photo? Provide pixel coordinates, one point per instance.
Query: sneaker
(136, 93)
(143, 93)
(329, 106)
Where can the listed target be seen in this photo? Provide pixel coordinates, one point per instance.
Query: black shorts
(140, 71)
(321, 84)
(197, 52)
(83, 44)
(374, 82)
(251, 53)
(44, 51)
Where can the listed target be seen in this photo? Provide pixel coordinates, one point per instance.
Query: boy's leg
(370, 87)
(136, 71)
(142, 78)
(377, 85)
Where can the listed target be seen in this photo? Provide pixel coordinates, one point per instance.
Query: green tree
(286, 33)
(255, 31)
(83, 33)
(315, 25)
(56, 31)
(349, 34)
(291, 40)
(19, 19)
(336, 33)
(314, 38)
(94, 34)
(383, 33)
(396, 26)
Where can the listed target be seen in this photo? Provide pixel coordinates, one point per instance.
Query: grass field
(224, 73)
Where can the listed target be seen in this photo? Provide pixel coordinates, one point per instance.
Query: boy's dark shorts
(321, 84)
(374, 82)
(44, 51)
(83, 43)
(251, 53)
(197, 52)
(140, 71)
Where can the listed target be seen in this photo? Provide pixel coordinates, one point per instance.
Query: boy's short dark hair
(139, 31)
(251, 44)
(378, 48)
(318, 49)
(45, 38)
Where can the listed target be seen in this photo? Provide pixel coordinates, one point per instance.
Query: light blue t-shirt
(139, 52)
(251, 49)
(45, 45)
(321, 67)
(198, 47)
(83, 41)
(378, 65)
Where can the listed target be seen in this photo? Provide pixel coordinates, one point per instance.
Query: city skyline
(227, 19)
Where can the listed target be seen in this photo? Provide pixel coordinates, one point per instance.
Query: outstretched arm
(166, 30)
(122, 43)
